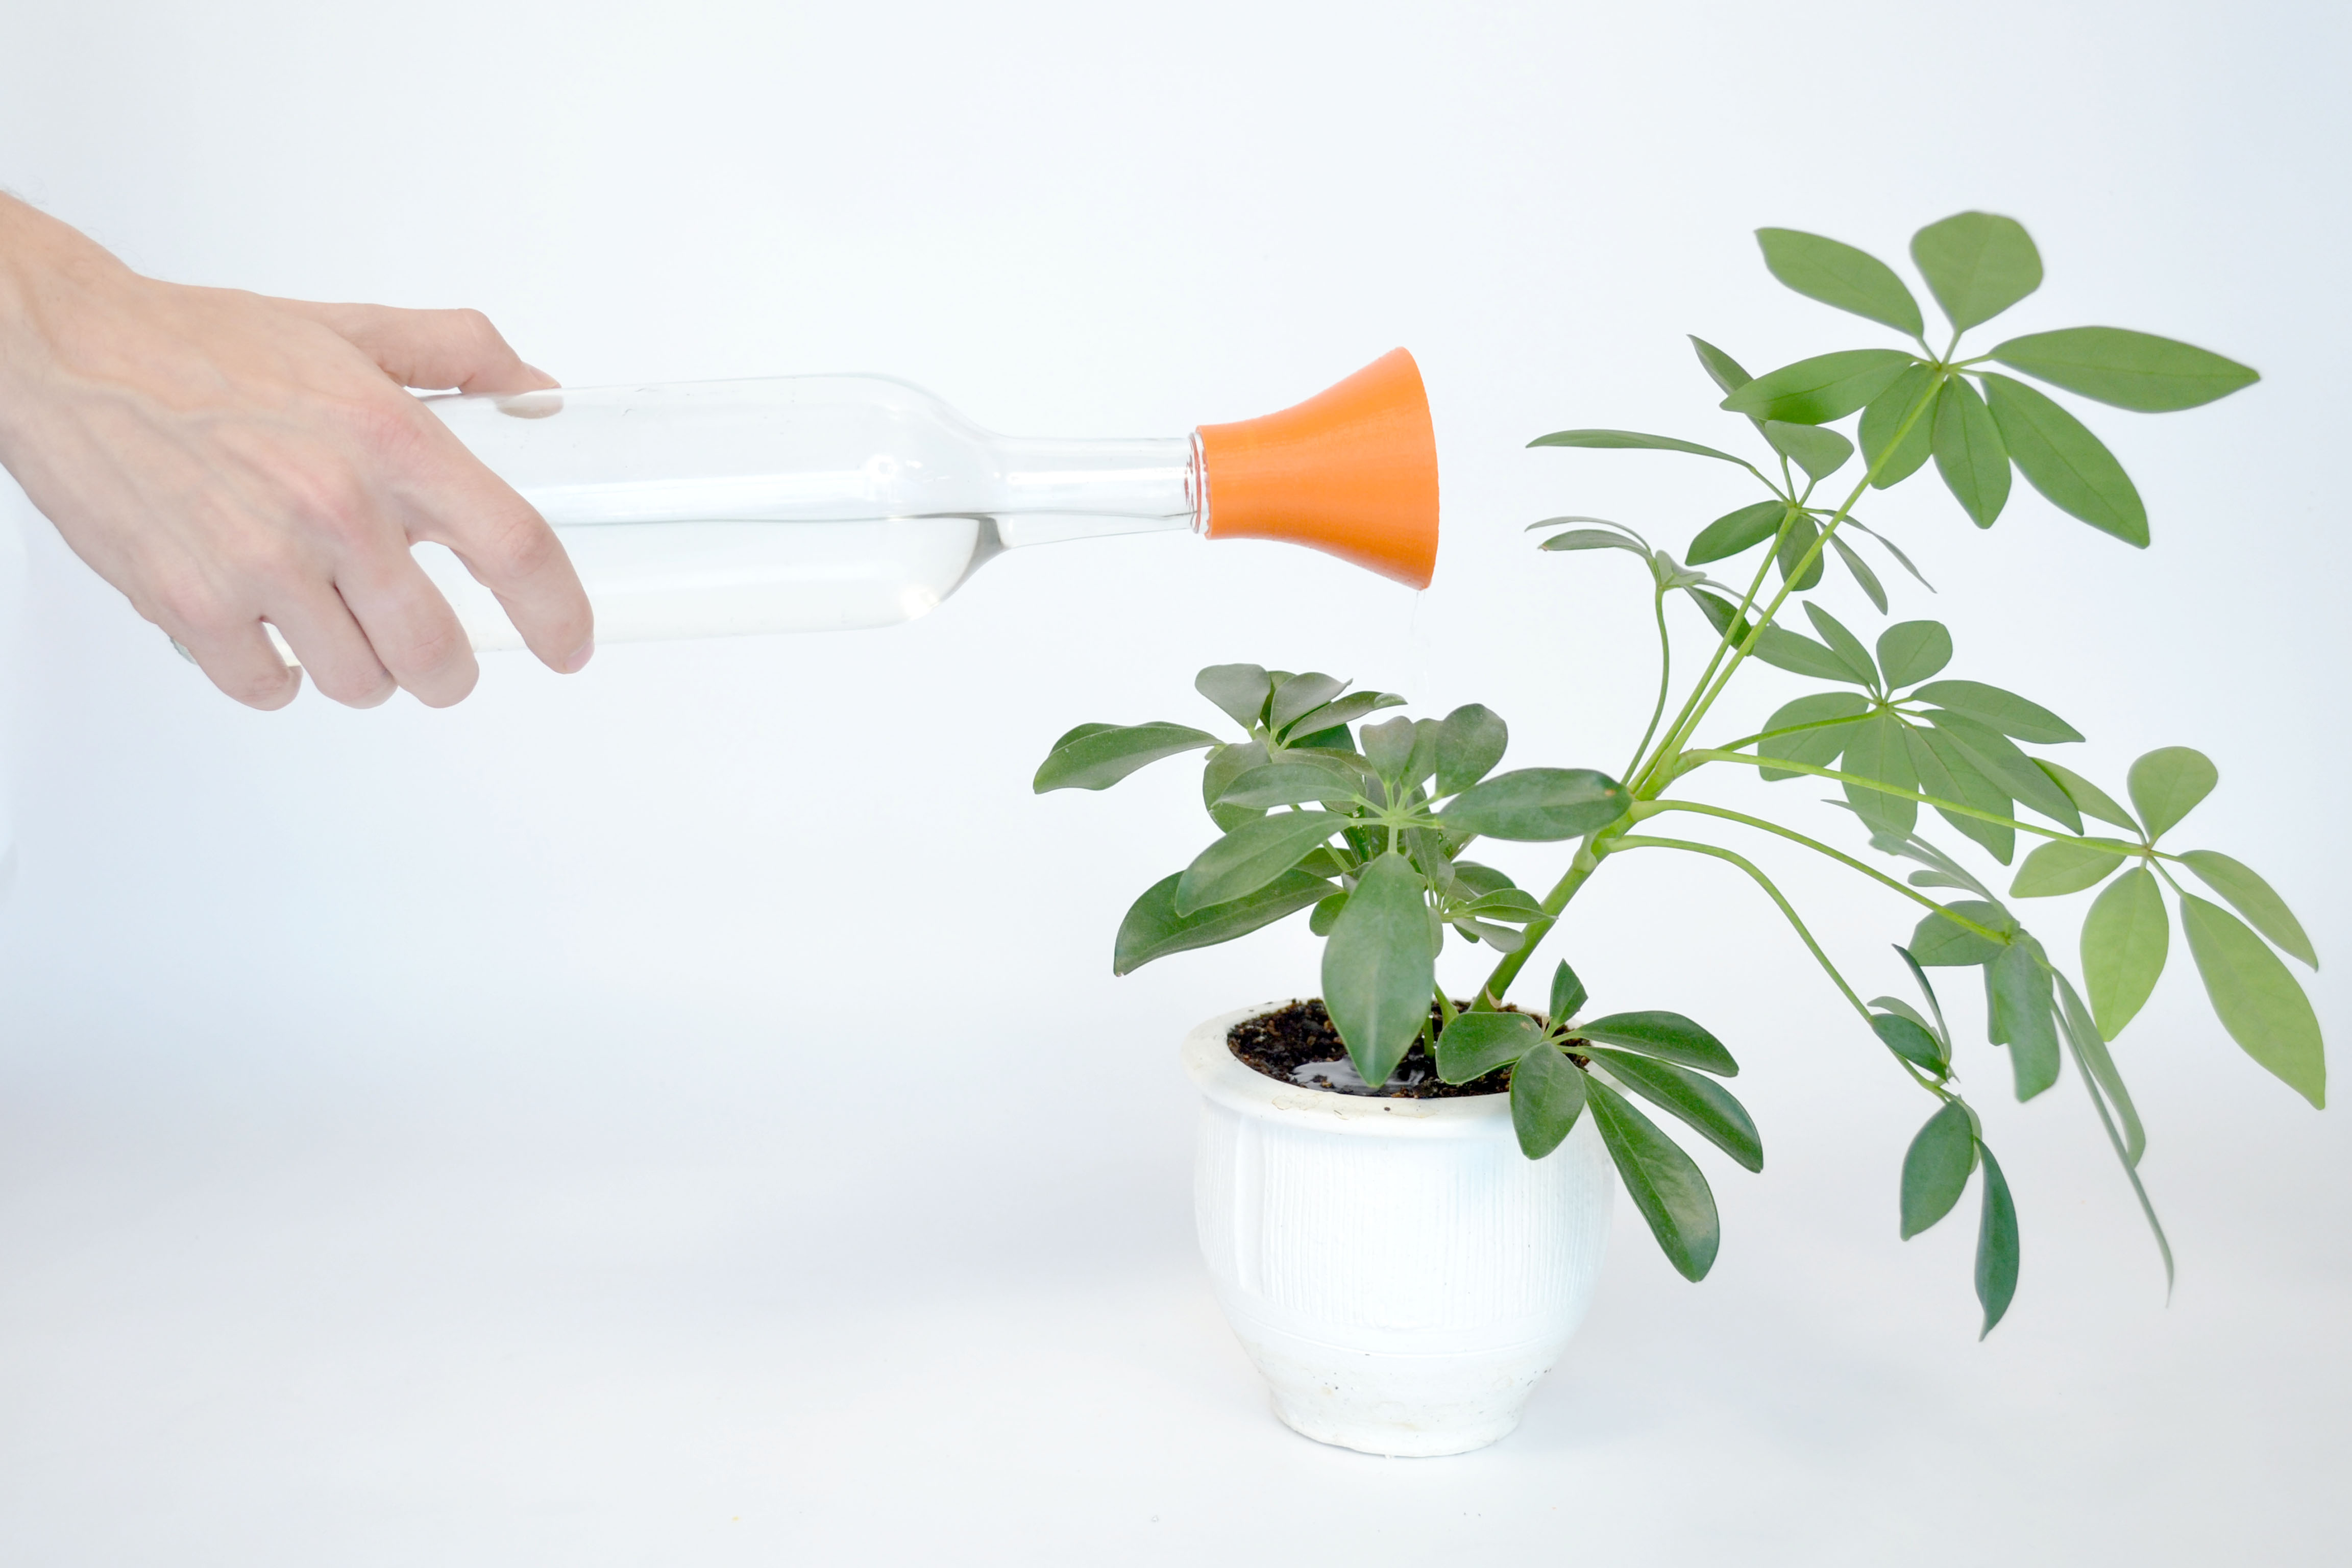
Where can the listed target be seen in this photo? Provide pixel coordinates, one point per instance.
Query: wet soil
(1297, 1044)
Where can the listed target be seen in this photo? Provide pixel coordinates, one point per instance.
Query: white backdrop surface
(683, 1113)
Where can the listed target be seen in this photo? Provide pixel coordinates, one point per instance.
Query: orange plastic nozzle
(1351, 471)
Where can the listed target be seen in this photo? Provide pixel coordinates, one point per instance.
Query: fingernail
(580, 658)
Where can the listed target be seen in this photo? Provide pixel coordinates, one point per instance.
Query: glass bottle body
(796, 504)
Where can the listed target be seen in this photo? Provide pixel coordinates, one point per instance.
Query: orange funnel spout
(1352, 471)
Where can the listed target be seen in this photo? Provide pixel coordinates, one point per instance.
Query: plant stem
(1651, 809)
(1645, 784)
(1665, 675)
(1723, 644)
(1697, 708)
(1718, 853)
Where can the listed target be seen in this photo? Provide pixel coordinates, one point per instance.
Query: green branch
(1651, 809)
(1715, 852)
(1678, 736)
(1665, 675)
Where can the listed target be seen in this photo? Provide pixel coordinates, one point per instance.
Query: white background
(683, 1113)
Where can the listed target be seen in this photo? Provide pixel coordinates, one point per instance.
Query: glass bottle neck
(1056, 490)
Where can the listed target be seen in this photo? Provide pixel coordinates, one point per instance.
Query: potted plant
(1403, 1195)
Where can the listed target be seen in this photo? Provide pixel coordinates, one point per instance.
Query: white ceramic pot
(1399, 1272)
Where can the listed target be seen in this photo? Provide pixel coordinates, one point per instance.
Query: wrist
(46, 268)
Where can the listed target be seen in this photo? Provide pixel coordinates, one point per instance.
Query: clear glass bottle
(824, 504)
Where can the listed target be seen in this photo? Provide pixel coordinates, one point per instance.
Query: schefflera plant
(1367, 825)
(1894, 731)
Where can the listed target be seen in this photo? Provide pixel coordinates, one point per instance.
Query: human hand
(227, 460)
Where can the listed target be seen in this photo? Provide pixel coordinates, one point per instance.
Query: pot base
(1399, 1407)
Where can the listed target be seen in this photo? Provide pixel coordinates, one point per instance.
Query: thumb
(429, 348)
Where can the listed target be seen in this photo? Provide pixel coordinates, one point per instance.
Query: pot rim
(1227, 1080)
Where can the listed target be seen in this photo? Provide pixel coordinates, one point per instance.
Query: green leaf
(1538, 805)
(1863, 576)
(1380, 967)
(2125, 939)
(1818, 452)
(1298, 696)
(1592, 539)
(2025, 1018)
(1290, 783)
(1615, 440)
(1476, 1044)
(1251, 856)
(1567, 994)
(1818, 390)
(2253, 897)
(1346, 711)
(1664, 1183)
(1936, 1166)
(2003, 711)
(1515, 905)
(1878, 751)
(1884, 414)
(1480, 878)
(1796, 546)
(1801, 655)
(1998, 759)
(1225, 765)
(1839, 275)
(1996, 1244)
(1977, 265)
(1969, 454)
(1098, 756)
(1944, 773)
(1326, 914)
(1389, 747)
(1721, 368)
(1942, 1031)
(2095, 801)
(1470, 742)
(2068, 866)
(1911, 651)
(2167, 783)
(1722, 616)
(1428, 734)
(1153, 928)
(2099, 1065)
(1240, 689)
(2256, 998)
(1707, 1106)
(1548, 1094)
(1941, 943)
(1893, 549)
(2059, 456)
(1335, 739)
(1910, 1039)
(1844, 644)
(1819, 747)
(1669, 1036)
(1737, 531)
(2130, 370)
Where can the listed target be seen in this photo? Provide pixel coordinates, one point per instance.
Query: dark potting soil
(1297, 1044)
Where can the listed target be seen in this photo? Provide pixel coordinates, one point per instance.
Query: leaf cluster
(1559, 1066)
